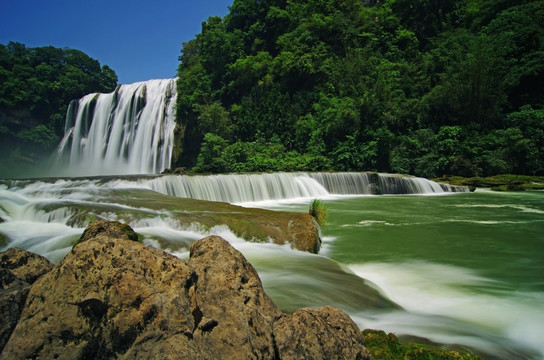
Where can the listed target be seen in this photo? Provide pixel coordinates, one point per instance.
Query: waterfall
(128, 131)
(241, 188)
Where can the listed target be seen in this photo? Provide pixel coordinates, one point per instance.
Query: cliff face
(113, 298)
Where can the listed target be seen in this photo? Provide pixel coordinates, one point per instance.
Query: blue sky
(138, 39)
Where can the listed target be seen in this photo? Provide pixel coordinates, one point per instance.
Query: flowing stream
(464, 268)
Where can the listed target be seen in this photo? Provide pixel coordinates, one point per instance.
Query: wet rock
(113, 298)
(321, 333)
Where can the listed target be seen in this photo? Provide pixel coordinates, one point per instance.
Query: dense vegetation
(37, 84)
(411, 86)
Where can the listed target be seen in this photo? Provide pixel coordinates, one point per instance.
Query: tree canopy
(37, 87)
(421, 87)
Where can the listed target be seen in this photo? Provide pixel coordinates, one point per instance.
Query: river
(464, 268)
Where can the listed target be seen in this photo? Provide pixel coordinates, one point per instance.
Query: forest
(37, 85)
(422, 87)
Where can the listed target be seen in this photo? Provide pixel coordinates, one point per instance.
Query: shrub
(319, 211)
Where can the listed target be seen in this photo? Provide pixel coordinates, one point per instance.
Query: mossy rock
(319, 211)
(384, 346)
(113, 229)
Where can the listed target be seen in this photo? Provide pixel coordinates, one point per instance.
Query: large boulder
(319, 334)
(114, 298)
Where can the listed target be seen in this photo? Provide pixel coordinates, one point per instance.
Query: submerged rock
(254, 225)
(114, 298)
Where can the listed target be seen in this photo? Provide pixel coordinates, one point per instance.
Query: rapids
(463, 267)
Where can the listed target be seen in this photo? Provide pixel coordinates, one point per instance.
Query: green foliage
(37, 84)
(40, 136)
(45, 79)
(319, 211)
(384, 346)
(426, 88)
(210, 158)
(498, 182)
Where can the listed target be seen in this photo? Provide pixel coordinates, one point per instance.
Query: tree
(470, 89)
(422, 87)
(210, 158)
(517, 35)
(40, 137)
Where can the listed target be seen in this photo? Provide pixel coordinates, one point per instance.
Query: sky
(139, 39)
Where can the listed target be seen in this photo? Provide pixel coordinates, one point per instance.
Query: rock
(322, 333)
(176, 171)
(13, 293)
(255, 225)
(18, 269)
(25, 265)
(112, 229)
(113, 298)
(235, 309)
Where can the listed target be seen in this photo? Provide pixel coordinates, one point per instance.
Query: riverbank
(507, 182)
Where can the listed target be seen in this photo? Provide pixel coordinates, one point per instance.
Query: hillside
(37, 85)
(419, 87)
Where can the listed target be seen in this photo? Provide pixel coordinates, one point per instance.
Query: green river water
(467, 268)
(464, 268)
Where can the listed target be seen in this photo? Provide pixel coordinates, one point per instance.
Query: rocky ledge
(113, 298)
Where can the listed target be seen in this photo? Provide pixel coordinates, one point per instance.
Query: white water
(253, 188)
(129, 131)
(442, 303)
(515, 320)
(47, 217)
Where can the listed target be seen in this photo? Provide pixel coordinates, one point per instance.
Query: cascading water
(443, 259)
(241, 188)
(129, 131)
